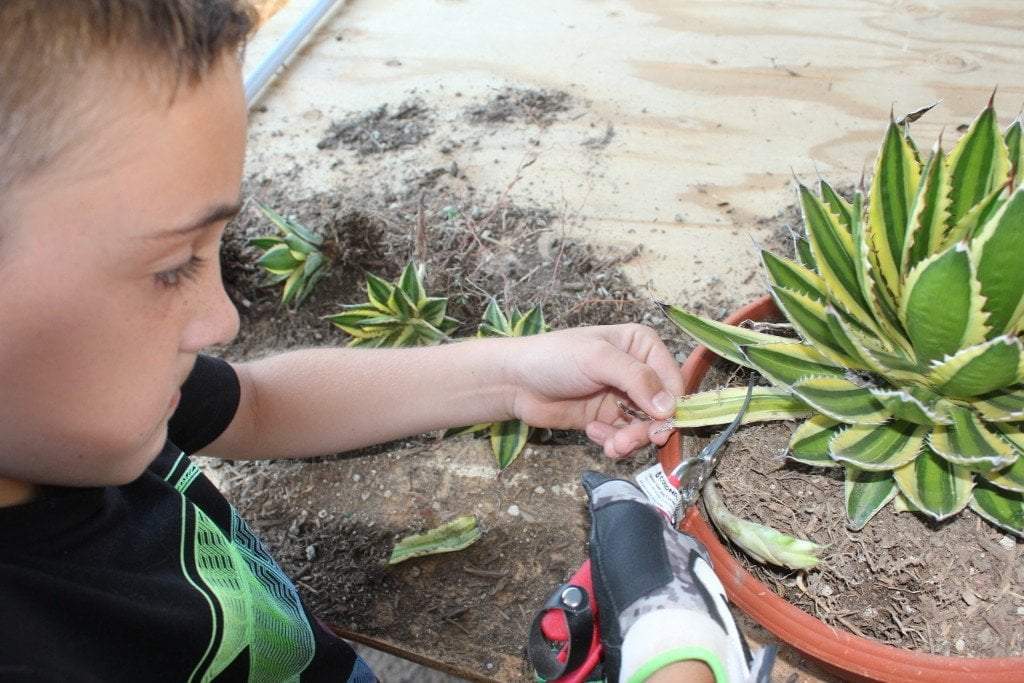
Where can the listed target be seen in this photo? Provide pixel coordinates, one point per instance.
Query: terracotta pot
(850, 656)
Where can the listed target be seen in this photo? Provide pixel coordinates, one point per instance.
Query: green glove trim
(681, 654)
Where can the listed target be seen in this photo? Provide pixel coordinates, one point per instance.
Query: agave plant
(909, 307)
(397, 314)
(292, 256)
(508, 438)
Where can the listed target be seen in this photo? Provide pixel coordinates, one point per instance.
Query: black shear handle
(572, 602)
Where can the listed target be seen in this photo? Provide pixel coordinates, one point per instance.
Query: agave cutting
(508, 438)
(397, 313)
(909, 307)
(292, 256)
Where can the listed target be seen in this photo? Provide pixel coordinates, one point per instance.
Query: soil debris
(600, 141)
(380, 130)
(540, 107)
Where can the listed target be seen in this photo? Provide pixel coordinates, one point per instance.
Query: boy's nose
(214, 321)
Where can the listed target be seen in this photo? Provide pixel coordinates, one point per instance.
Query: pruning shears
(565, 637)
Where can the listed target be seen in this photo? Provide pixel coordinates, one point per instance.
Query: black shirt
(158, 580)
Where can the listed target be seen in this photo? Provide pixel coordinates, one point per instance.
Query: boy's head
(122, 135)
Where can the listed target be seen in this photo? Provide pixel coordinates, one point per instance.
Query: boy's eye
(187, 271)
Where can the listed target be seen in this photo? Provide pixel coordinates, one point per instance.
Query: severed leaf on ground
(764, 544)
(457, 534)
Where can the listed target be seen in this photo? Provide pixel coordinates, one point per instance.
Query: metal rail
(259, 78)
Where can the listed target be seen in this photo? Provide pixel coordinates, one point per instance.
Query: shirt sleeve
(209, 401)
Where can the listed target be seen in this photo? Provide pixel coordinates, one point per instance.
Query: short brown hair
(47, 44)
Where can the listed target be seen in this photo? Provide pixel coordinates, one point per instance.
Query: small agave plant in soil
(909, 307)
(397, 313)
(507, 438)
(293, 256)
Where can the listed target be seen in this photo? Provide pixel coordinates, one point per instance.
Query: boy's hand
(572, 379)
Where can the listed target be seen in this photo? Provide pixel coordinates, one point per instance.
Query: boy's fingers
(626, 440)
(664, 364)
(638, 380)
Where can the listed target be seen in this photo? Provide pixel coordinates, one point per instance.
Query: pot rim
(836, 648)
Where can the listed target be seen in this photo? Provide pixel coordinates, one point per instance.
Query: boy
(122, 135)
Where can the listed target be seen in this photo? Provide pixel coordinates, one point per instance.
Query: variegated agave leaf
(510, 437)
(908, 309)
(396, 314)
(292, 256)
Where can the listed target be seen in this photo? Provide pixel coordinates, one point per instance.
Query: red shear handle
(569, 616)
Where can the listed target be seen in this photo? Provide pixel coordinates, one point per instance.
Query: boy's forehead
(151, 164)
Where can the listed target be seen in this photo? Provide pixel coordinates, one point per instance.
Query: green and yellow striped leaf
(1005, 509)
(508, 440)
(941, 305)
(878, 448)
(835, 254)
(401, 304)
(893, 365)
(1015, 149)
(809, 443)
(529, 324)
(980, 213)
(287, 226)
(866, 493)
(967, 441)
(764, 544)
(840, 208)
(880, 301)
(266, 242)
(929, 215)
(299, 247)
(495, 323)
(457, 534)
(723, 339)
(852, 349)
(433, 309)
(1012, 432)
(786, 363)
(913, 404)
(979, 369)
(411, 283)
(935, 486)
(1001, 406)
(901, 504)
(292, 286)
(803, 252)
(792, 276)
(897, 174)
(978, 164)
(720, 406)
(810, 319)
(997, 255)
(1010, 478)
(379, 291)
(842, 400)
(279, 260)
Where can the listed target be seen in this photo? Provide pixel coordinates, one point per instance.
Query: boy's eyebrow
(220, 212)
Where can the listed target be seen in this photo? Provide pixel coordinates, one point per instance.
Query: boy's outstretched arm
(322, 401)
